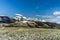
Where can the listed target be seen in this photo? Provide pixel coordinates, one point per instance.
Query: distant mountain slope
(35, 24)
(50, 24)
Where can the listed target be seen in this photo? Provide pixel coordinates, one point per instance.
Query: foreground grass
(13, 33)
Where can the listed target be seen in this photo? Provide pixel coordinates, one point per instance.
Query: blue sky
(45, 9)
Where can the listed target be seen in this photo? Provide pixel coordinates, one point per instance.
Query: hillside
(34, 24)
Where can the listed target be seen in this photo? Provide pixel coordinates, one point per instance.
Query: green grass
(16, 33)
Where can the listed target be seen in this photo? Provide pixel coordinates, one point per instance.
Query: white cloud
(56, 13)
(19, 14)
(58, 17)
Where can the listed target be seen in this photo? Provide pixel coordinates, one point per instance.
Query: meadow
(16, 33)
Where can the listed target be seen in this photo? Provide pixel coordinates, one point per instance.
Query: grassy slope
(13, 33)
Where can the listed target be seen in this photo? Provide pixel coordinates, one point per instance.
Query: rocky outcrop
(34, 24)
(49, 24)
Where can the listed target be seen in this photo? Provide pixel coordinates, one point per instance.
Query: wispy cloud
(58, 17)
(47, 18)
(44, 16)
(56, 13)
(38, 15)
(19, 14)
